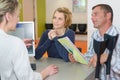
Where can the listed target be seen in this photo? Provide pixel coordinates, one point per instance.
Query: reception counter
(67, 70)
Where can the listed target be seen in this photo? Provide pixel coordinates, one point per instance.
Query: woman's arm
(61, 50)
(43, 45)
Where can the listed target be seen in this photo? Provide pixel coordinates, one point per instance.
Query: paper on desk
(71, 48)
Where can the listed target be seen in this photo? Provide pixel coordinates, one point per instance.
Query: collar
(2, 32)
(112, 31)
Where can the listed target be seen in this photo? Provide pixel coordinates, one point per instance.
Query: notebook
(71, 48)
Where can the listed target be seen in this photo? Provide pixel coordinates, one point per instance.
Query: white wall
(116, 10)
(51, 5)
(28, 14)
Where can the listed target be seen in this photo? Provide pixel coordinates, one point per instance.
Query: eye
(54, 17)
(94, 14)
(60, 19)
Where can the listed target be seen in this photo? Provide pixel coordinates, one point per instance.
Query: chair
(49, 26)
(82, 28)
(73, 27)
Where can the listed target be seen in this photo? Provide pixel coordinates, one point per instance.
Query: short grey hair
(7, 6)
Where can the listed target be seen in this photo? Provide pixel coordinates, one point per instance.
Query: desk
(67, 70)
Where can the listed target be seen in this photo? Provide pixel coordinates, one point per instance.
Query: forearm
(41, 49)
(44, 74)
(89, 54)
(61, 50)
(48, 71)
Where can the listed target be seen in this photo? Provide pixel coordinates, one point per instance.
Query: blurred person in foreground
(14, 59)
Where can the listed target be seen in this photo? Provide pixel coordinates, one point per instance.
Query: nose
(92, 18)
(56, 21)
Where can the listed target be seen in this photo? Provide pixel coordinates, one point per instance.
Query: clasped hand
(52, 34)
(103, 59)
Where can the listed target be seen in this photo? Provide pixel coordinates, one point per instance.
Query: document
(71, 48)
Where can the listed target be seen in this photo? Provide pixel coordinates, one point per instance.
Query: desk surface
(67, 70)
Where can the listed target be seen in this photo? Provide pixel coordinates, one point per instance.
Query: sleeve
(43, 45)
(61, 50)
(115, 63)
(90, 51)
(21, 64)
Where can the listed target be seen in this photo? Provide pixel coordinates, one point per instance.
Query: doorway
(30, 12)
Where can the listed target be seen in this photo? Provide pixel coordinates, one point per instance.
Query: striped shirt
(115, 62)
(14, 61)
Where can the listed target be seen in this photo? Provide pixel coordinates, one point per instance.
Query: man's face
(99, 17)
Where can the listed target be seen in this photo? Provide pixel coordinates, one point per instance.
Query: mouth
(56, 25)
(94, 22)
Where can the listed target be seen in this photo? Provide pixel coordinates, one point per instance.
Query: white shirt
(115, 62)
(14, 60)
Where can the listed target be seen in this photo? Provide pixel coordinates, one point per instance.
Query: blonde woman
(62, 19)
(14, 62)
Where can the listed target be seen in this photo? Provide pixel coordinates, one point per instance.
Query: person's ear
(8, 17)
(109, 16)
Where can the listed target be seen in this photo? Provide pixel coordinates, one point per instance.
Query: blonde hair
(67, 15)
(7, 6)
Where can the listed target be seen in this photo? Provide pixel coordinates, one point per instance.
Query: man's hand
(71, 58)
(93, 61)
(103, 58)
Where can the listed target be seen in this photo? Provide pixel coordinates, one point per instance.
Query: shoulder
(117, 29)
(69, 31)
(46, 32)
(17, 45)
(15, 41)
(14, 38)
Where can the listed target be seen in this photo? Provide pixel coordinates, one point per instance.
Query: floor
(81, 41)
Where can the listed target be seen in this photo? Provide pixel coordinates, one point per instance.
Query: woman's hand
(71, 58)
(50, 70)
(28, 42)
(52, 34)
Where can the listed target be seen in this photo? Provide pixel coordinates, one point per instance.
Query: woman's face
(58, 20)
